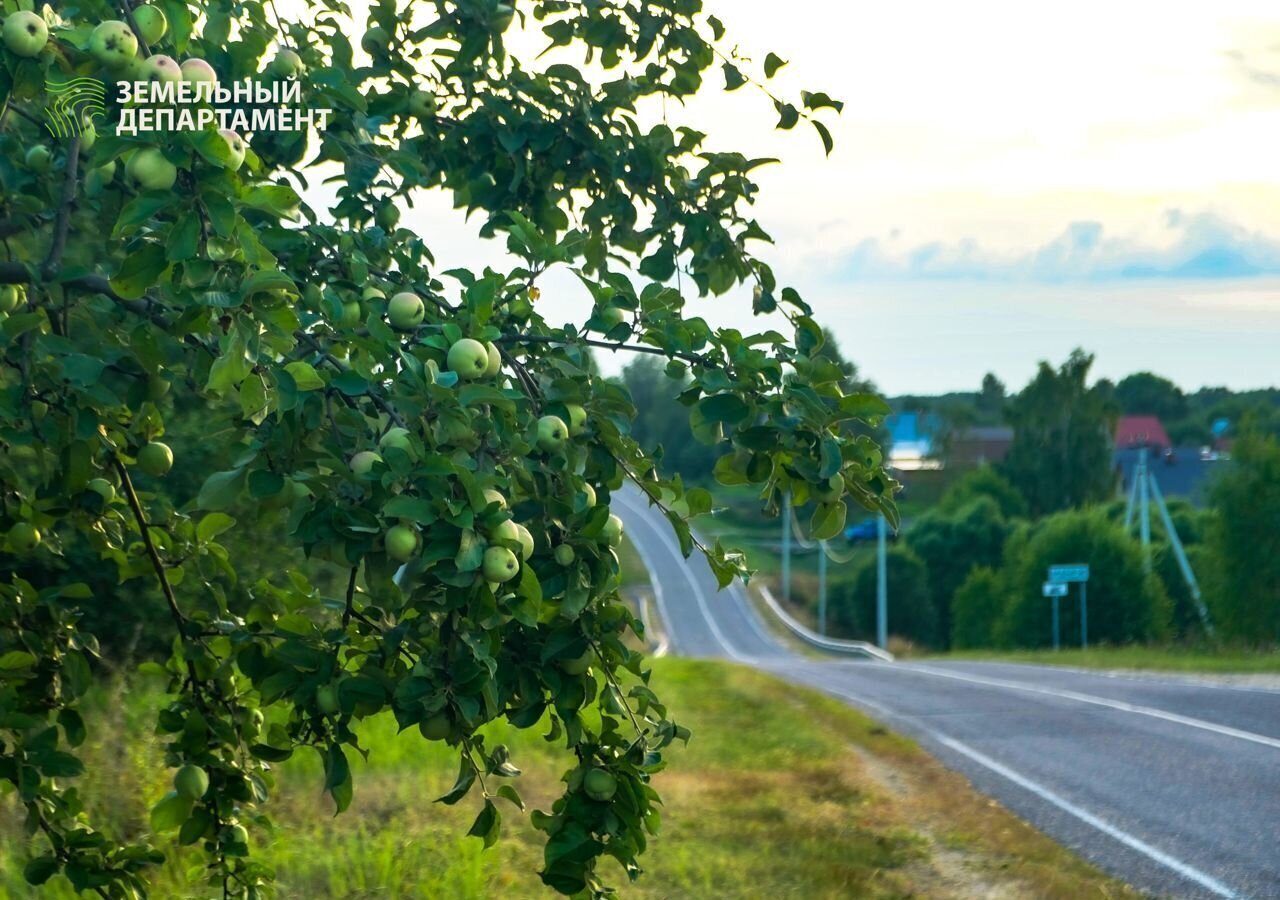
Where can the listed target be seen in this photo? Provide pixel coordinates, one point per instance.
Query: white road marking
(668, 543)
(1183, 869)
(1152, 712)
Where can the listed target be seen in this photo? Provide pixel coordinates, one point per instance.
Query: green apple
(11, 297)
(237, 836)
(526, 542)
(96, 181)
(197, 70)
(287, 64)
(39, 159)
(39, 409)
(609, 318)
(113, 44)
(493, 496)
(500, 565)
(436, 728)
(372, 293)
(250, 721)
(352, 313)
(387, 216)
(25, 34)
(422, 104)
(151, 23)
(236, 144)
(578, 665)
(25, 537)
(552, 433)
(506, 532)
(405, 311)
(577, 418)
(600, 784)
(327, 699)
(468, 358)
(104, 489)
(401, 543)
(88, 137)
(398, 438)
(157, 388)
(565, 555)
(363, 462)
(375, 40)
(830, 490)
(612, 531)
(495, 360)
(149, 168)
(191, 782)
(590, 493)
(156, 459)
(163, 69)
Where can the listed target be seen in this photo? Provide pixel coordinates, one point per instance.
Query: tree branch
(59, 245)
(696, 358)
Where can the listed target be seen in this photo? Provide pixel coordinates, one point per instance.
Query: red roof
(1134, 431)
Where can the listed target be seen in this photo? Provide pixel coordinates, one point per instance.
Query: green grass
(780, 794)
(1171, 659)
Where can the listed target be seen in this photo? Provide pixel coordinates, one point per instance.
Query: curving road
(1172, 786)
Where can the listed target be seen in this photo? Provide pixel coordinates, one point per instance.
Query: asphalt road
(1171, 786)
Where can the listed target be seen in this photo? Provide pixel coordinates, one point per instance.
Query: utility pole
(1144, 510)
(786, 547)
(822, 588)
(882, 586)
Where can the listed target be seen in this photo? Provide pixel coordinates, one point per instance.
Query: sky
(1010, 181)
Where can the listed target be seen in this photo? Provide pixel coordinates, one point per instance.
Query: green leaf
(466, 778)
(788, 116)
(221, 489)
(304, 375)
(827, 143)
(184, 239)
(827, 521)
(772, 63)
(213, 525)
(170, 812)
(16, 659)
(40, 869)
(487, 824)
(139, 271)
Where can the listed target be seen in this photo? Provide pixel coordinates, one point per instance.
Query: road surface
(1172, 786)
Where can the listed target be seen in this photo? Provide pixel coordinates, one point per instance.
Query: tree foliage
(1060, 457)
(373, 444)
(911, 612)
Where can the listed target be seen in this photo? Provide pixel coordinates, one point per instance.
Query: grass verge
(783, 792)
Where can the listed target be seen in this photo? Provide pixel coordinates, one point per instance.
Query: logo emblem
(74, 104)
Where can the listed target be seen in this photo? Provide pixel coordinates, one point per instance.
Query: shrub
(985, 481)
(976, 608)
(910, 607)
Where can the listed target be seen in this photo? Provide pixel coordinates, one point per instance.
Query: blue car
(866, 530)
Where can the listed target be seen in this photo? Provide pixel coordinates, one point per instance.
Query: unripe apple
(387, 216)
(422, 104)
(505, 532)
(609, 318)
(163, 69)
(39, 159)
(11, 297)
(436, 728)
(526, 542)
(25, 537)
(287, 64)
(406, 311)
(25, 34)
(104, 489)
(375, 40)
(495, 360)
(590, 493)
(494, 497)
(151, 23)
(96, 181)
(468, 358)
(157, 388)
(191, 782)
(612, 531)
(197, 70)
(236, 144)
(327, 699)
(250, 721)
(39, 409)
(500, 565)
(237, 835)
(600, 784)
(552, 433)
(564, 554)
(401, 543)
(149, 168)
(372, 293)
(352, 313)
(579, 664)
(577, 418)
(156, 459)
(362, 463)
(88, 137)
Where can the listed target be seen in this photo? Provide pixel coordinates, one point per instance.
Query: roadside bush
(952, 545)
(976, 608)
(911, 611)
(1124, 604)
(985, 481)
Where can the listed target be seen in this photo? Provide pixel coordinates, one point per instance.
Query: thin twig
(59, 245)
